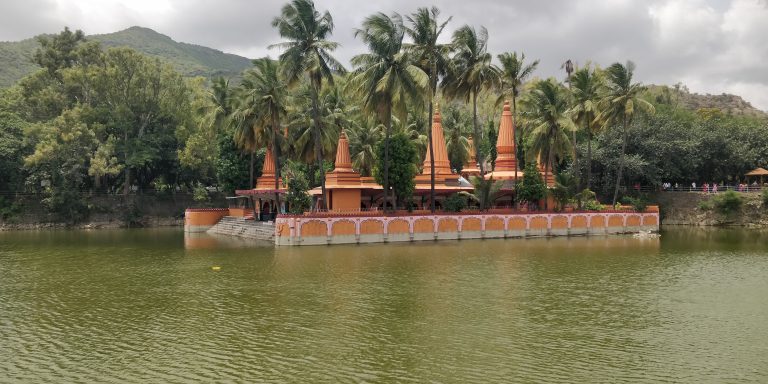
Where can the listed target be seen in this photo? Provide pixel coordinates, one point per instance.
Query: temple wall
(345, 200)
(202, 219)
(359, 229)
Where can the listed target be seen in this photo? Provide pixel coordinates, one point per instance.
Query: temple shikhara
(348, 191)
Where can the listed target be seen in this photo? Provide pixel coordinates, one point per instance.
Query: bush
(200, 194)
(765, 198)
(638, 203)
(532, 187)
(593, 205)
(297, 197)
(705, 205)
(455, 203)
(728, 202)
(8, 209)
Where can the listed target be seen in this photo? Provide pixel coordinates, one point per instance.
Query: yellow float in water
(216, 268)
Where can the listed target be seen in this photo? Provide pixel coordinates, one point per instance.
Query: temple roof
(267, 179)
(442, 164)
(505, 144)
(470, 166)
(342, 174)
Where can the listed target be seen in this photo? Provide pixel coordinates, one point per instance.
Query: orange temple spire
(442, 164)
(505, 145)
(343, 161)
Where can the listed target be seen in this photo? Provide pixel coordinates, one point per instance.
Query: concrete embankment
(698, 209)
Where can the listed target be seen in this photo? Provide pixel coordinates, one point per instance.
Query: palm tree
(307, 52)
(546, 108)
(569, 68)
(247, 122)
(586, 84)
(386, 79)
(362, 147)
(301, 138)
(514, 73)
(268, 92)
(219, 105)
(432, 57)
(618, 105)
(471, 72)
(485, 193)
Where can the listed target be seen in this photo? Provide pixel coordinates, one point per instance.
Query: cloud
(713, 46)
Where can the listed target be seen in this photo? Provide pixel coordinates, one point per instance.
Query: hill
(189, 59)
(728, 104)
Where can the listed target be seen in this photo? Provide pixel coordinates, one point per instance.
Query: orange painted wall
(345, 200)
(240, 212)
(314, 228)
(447, 225)
(633, 221)
(423, 226)
(204, 217)
(373, 227)
(597, 222)
(471, 224)
(539, 223)
(615, 221)
(578, 222)
(398, 226)
(650, 220)
(559, 222)
(342, 228)
(517, 224)
(494, 224)
(283, 230)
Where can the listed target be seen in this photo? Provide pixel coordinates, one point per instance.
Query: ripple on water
(135, 306)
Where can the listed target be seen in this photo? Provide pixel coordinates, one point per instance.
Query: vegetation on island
(95, 118)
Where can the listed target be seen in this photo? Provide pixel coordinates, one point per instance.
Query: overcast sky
(712, 46)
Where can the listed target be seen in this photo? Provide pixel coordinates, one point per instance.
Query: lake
(146, 306)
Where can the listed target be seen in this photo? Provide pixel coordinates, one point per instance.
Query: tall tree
(269, 95)
(619, 104)
(546, 107)
(307, 53)
(385, 78)
(569, 68)
(585, 88)
(432, 57)
(471, 72)
(514, 73)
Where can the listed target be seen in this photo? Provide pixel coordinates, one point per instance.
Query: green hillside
(189, 59)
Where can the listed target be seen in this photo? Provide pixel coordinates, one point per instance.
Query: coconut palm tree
(514, 73)
(307, 54)
(362, 147)
(586, 84)
(432, 58)
(247, 121)
(546, 107)
(385, 78)
(470, 73)
(485, 192)
(619, 104)
(269, 94)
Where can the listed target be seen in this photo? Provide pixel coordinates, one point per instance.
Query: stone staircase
(249, 229)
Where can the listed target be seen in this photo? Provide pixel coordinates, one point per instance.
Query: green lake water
(145, 306)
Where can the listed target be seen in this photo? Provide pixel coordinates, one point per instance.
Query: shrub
(532, 187)
(455, 203)
(765, 198)
(200, 194)
(728, 202)
(593, 205)
(297, 197)
(705, 205)
(638, 203)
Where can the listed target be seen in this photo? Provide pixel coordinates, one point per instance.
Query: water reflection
(145, 306)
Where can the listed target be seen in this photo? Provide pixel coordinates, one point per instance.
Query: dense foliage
(95, 119)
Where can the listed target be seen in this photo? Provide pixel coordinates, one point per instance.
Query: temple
(348, 191)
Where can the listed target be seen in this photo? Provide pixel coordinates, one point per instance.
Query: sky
(711, 46)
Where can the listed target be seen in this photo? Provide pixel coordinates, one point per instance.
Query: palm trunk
(477, 133)
(431, 146)
(388, 129)
(576, 162)
(547, 170)
(251, 185)
(621, 162)
(318, 145)
(276, 150)
(589, 156)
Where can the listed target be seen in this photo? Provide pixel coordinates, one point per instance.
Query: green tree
(12, 150)
(432, 58)
(362, 147)
(58, 51)
(618, 105)
(471, 72)
(546, 107)
(386, 79)
(532, 187)
(514, 73)
(401, 166)
(586, 84)
(307, 52)
(485, 193)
